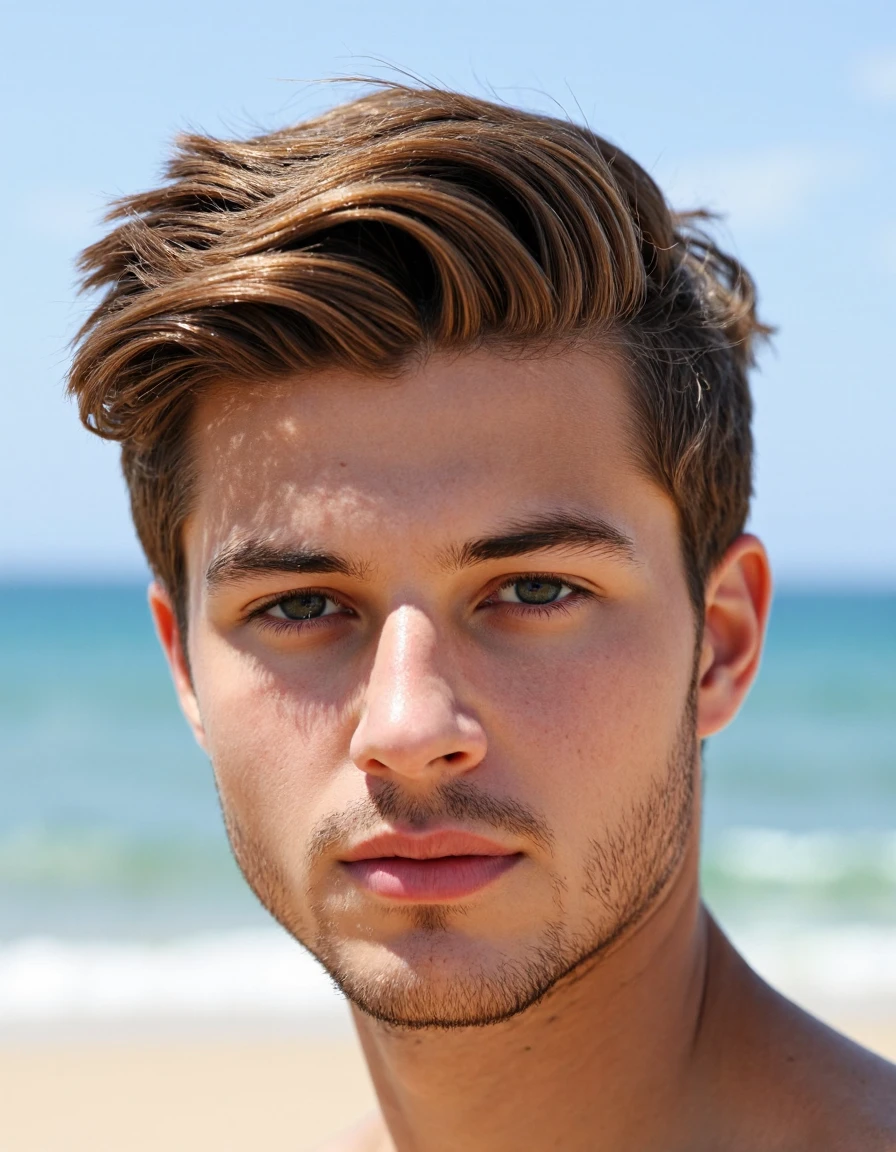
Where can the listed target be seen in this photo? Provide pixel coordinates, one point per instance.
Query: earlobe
(738, 597)
(168, 632)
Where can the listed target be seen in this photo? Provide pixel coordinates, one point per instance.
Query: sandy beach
(208, 1093)
(227, 1094)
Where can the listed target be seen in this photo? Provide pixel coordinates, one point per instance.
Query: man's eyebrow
(240, 562)
(569, 531)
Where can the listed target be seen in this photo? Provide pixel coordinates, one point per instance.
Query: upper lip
(425, 846)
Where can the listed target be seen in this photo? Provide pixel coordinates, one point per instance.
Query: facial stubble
(625, 872)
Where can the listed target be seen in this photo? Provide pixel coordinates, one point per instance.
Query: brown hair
(408, 220)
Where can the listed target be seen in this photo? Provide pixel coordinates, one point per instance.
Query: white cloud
(762, 190)
(874, 75)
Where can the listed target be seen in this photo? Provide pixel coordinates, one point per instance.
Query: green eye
(306, 606)
(537, 591)
(532, 590)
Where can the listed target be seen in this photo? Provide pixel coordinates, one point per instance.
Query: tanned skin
(364, 656)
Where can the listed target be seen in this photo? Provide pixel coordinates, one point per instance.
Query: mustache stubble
(460, 801)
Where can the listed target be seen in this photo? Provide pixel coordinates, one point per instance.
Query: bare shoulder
(837, 1095)
(856, 1092)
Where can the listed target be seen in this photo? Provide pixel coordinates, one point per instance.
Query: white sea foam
(848, 968)
(251, 974)
(778, 856)
(842, 970)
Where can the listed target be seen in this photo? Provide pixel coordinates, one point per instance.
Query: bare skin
(451, 605)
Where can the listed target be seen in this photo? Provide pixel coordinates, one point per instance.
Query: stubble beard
(625, 873)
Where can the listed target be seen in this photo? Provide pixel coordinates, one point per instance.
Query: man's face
(442, 650)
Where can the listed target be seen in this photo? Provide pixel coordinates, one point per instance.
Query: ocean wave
(816, 859)
(249, 973)
(845, 969)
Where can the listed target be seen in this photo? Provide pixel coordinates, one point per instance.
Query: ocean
(119, 898)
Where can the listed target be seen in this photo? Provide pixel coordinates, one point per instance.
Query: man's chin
(435, 980)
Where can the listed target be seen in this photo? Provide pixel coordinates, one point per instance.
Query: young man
(436, 425)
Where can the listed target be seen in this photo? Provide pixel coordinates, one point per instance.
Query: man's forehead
(460, 447)
(451, 417)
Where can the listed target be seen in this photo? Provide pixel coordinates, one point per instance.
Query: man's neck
(605, 1061)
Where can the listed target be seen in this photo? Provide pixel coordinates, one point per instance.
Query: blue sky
(781, 115)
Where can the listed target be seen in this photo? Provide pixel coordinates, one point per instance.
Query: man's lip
(430, 880)
(433, 845)
(437, 866)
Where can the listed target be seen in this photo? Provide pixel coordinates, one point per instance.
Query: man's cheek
(594, 753)
(279, 778)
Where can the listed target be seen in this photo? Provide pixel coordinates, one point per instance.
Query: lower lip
(443, 878)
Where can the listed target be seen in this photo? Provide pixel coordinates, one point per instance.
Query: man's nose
(411, 723)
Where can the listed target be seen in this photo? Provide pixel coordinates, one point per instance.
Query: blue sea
(119, 898)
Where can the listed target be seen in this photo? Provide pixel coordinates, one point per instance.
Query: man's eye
(303, 606)
(534, 590)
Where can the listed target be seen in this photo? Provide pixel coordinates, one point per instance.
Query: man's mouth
(430, 867)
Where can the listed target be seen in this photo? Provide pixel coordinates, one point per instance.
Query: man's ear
(168, 632)
(738, 598)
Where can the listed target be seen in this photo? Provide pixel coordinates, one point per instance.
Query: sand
(221, 1093)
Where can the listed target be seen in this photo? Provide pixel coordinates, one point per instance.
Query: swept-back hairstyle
(410, 220)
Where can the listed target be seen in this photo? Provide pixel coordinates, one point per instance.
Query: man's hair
(408, 221)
